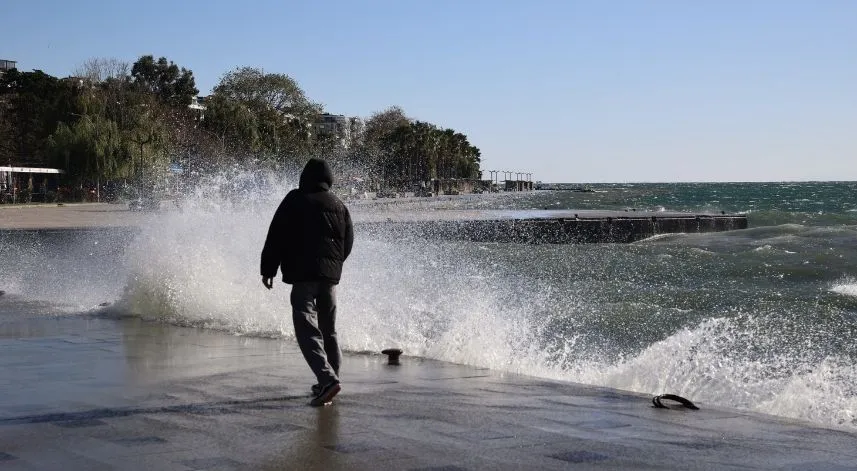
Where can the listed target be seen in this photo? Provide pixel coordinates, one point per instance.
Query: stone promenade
(97, 393)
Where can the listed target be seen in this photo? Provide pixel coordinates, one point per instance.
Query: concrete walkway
(97, 393)
(521, 226)
(71, 216)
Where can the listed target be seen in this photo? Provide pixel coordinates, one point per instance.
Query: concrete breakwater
(519, 226)
(552, 227)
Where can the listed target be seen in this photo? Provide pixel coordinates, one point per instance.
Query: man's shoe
(316, 389)
(326, 394)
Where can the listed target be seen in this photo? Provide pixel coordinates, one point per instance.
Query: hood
(316, 176)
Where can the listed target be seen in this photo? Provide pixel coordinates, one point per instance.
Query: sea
(761, 319)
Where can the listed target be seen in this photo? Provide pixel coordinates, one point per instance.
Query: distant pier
(519, 226)
(549, 226)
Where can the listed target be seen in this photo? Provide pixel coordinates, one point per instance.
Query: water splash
(845, 287)
(725, 362)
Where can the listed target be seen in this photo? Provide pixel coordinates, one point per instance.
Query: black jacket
(311, 234)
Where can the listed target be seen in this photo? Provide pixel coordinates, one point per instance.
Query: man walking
(310, 237)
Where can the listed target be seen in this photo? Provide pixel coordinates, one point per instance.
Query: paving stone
(212, 463)
(278, 428)
(137, 441)
(79, 423)
(580, 456)
(164, 397)
(440, 468)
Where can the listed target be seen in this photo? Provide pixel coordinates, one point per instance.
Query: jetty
(516, 226)
(548, 226)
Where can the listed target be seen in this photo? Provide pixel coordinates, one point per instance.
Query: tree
(231, 121)
(91, 149)
(418, 151)
(35, 103)
(150, 140)
(260, 92)
(428, 140)
(173, 86)
(8, 131)
(383, 123)
(114, 121)
(381, 146)
(264, 115)
(99, 70)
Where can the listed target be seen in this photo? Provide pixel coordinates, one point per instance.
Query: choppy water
(762, 319)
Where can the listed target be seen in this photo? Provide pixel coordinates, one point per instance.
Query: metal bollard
(392, 355)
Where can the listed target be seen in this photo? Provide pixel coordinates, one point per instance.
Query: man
(309, 239)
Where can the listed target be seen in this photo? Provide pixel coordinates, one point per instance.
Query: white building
(198, 105)
(346, 131)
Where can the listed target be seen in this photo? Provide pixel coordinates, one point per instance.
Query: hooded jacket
(311, 233)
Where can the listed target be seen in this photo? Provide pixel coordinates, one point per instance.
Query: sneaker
(326, 394)
(316, 389)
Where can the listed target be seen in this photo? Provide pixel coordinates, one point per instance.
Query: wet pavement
(71, 216)
(92, 393)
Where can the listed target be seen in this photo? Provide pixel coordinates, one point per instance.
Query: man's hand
(268, 281)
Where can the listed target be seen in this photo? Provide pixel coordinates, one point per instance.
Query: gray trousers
(314, 315)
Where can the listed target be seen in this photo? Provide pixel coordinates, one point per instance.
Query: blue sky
(579, 91)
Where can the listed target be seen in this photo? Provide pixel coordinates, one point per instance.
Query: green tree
(8, 132)
(261, 114)
(418, 151)
(173, 86)
(383, 123)
(35, 103)
(149, 139)
(151, 129)
(381, 148)
(110, 91)
(232, 122)
(260, 92)
(89, 149)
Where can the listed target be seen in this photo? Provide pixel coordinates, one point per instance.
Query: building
(335, 125)
(7, 65)
(28, 184)
(76, 82)
(198, 105)
(346, 131)
(356, 128)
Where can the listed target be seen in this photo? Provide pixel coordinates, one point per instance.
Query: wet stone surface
(101, 393)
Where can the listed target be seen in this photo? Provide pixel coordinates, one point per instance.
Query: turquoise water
(763, 319)
(814, 203)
